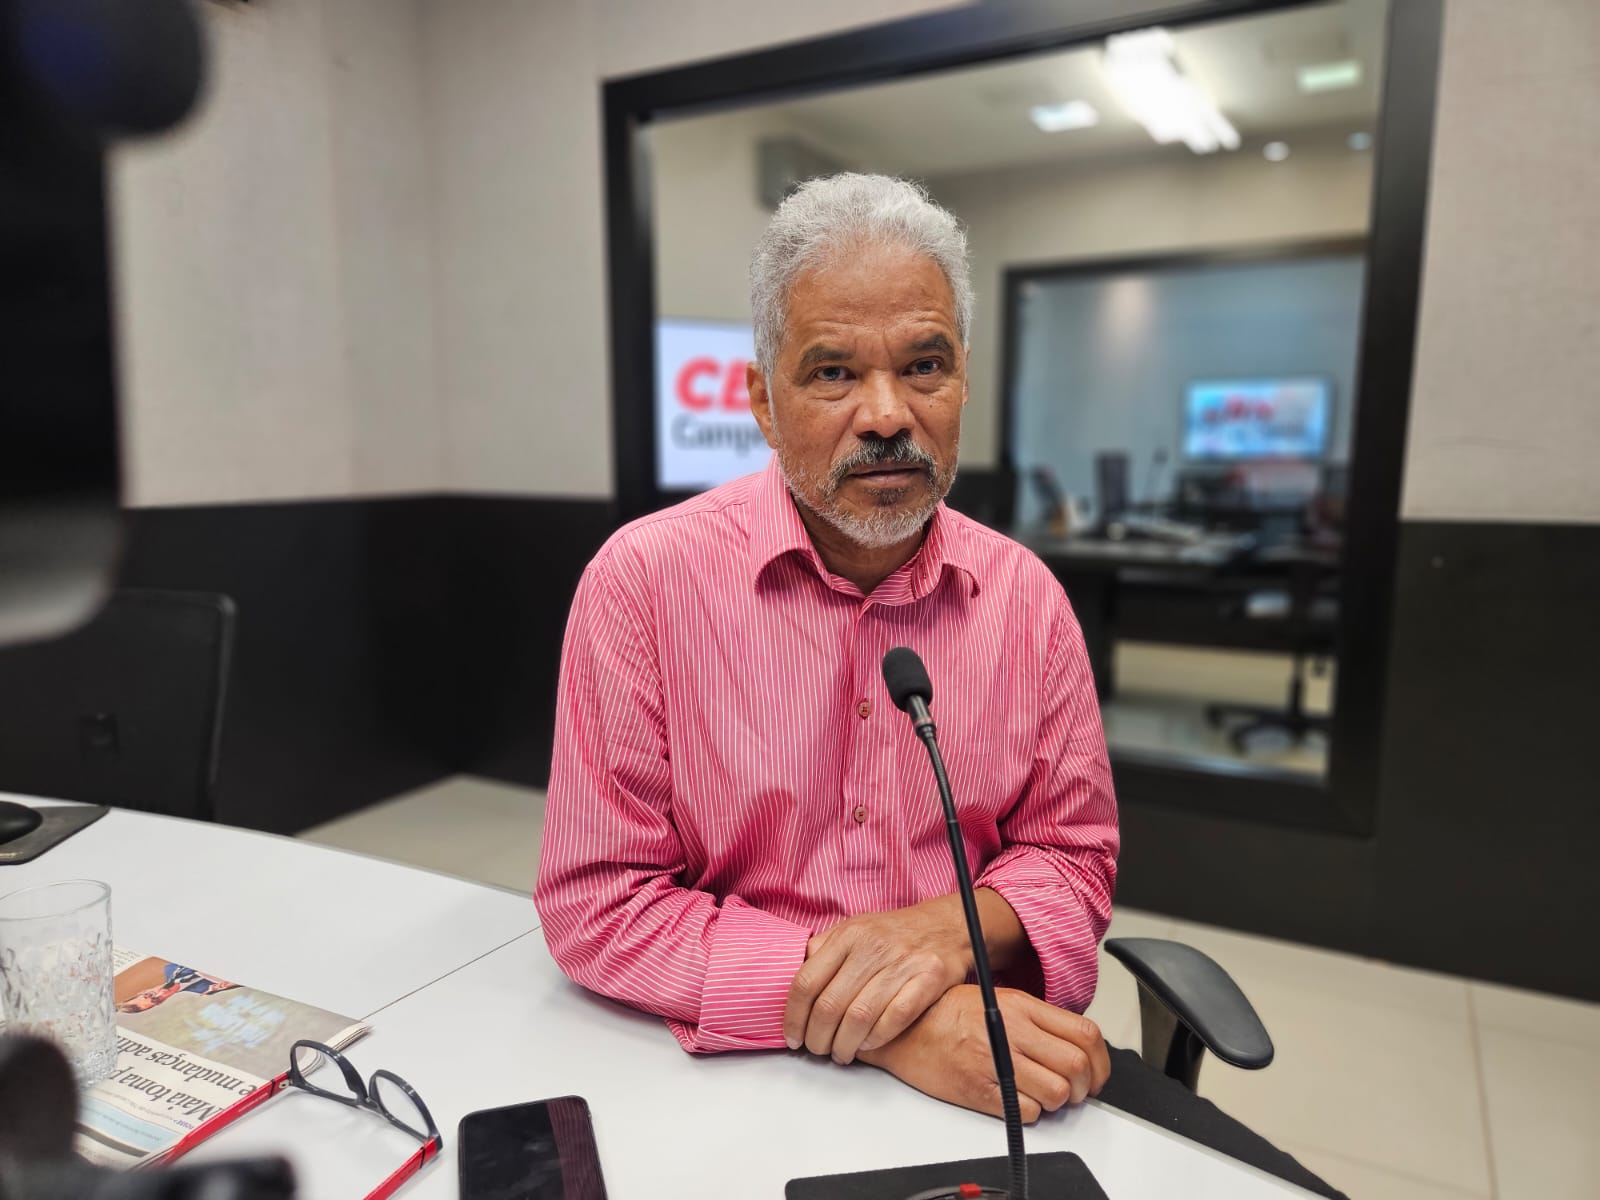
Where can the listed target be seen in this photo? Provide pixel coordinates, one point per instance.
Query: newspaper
(190, 1048)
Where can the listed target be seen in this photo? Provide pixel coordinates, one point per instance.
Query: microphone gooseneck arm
(922, 722)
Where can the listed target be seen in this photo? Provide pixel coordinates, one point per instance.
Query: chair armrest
(1199, 995)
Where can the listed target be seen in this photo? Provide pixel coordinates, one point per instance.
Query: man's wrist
(1003, 934)
(953, 919)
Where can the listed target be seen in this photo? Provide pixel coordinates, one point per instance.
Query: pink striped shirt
(730, 775)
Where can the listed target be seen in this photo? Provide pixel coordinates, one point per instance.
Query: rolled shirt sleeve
(613, 915)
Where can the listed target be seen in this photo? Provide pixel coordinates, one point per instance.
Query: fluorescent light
(1330, 77)
(1275, 151)
(1140, 69)
(1359, 140)
(1057, 118)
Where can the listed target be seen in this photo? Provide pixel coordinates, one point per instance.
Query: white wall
(1140, 207)
(646, 35)
(272, 261)
(708, 215)
(1505, 415)
(518, 190)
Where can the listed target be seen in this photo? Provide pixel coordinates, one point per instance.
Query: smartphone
(543, 1150)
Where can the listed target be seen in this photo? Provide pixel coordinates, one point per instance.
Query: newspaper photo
(190, 1046)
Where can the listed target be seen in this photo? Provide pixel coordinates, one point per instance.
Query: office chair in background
(1111, 493)
(1308, 611)
(125, 711)
(1308, 618)
(986, 494)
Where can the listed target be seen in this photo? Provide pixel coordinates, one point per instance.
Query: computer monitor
(1256, 420)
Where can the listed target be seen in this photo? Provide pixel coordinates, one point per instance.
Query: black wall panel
(1489, 817)
(382, 644)
(514, 565)
(336, 692)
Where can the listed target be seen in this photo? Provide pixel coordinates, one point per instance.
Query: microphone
(912, 692)
(1058, 1174)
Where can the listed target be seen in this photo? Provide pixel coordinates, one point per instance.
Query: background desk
(469, 1007)
(1092, 570)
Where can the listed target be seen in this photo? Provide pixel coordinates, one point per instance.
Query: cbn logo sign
(705, 434)
(705, 383)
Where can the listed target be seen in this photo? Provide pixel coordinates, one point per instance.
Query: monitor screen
(1250, 420)
(705, 434)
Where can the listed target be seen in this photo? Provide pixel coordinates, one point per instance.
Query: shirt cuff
(754, 958)
(1059, 926)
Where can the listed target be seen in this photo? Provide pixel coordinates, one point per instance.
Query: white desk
(671, 1126)
(338, 930)
(475, 1014)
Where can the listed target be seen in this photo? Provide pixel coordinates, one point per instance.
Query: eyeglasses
(385, 1093)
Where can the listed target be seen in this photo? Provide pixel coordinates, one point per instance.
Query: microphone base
(1056, 1175)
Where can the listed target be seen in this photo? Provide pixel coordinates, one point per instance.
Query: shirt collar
(776, 530)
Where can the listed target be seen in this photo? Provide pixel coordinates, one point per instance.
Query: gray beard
(879, 530)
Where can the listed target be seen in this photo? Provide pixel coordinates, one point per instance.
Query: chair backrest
(1111, 485)
(126, 710)
(988, 495)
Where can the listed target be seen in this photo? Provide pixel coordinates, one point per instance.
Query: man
(742, 834)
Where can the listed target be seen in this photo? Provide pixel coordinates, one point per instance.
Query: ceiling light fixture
(1057, 118)
(1330, 77)
(1141, 70)
(1275, 151)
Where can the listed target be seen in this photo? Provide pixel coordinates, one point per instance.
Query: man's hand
(868, 978)
(1058, 1057)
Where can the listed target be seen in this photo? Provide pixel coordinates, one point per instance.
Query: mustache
(900, 450)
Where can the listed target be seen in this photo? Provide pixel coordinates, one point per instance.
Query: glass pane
(1163, 357)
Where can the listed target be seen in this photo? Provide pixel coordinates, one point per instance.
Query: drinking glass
(56, 973)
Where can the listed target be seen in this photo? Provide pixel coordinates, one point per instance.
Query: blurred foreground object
(38, 1107)
(74, 74)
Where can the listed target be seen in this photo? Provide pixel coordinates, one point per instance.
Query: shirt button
(864, 709)
(860, 813)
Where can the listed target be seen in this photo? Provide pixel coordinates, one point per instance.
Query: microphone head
(905, 677)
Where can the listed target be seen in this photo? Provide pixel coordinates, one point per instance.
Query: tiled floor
(1389, 1082)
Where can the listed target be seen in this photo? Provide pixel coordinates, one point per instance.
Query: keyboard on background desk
(1161, 529)
(1214, 550)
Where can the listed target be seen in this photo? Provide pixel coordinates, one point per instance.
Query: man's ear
(966, 375)
(755, 382)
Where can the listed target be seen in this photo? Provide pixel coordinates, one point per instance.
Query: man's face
(863, 406)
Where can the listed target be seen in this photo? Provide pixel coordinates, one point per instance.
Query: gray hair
(825, 215)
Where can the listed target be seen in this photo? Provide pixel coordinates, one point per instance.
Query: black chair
(125, 711)
(986, 494)
(1308, 614)
(1188, 1005)
(1112, 491)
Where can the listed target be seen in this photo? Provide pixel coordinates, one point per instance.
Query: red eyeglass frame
(362, 1096)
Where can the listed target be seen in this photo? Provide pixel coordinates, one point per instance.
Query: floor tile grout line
(1483, 1097)
(1549, 1039)
(1386, 1169)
